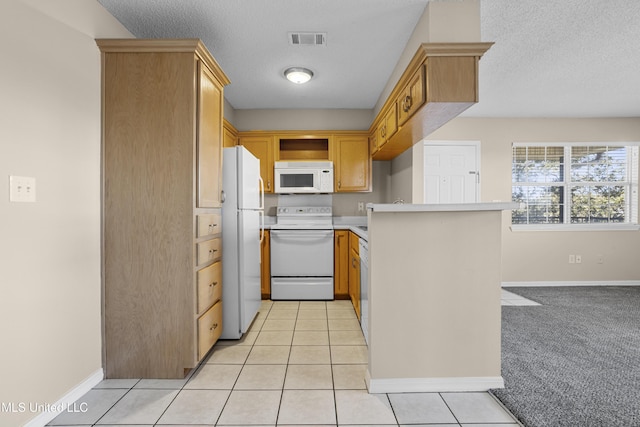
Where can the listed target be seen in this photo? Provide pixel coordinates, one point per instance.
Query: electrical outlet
(22, 189)
(600, 259)
(360, 206)
(572, 259)
(578, 259)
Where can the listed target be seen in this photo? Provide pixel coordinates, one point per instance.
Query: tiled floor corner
(509, 298)
(301, 363)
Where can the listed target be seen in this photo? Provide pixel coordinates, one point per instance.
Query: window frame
(633, 207)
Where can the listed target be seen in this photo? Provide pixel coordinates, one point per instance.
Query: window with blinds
(575, 184)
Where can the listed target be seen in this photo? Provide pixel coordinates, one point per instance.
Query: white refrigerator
(242, 229)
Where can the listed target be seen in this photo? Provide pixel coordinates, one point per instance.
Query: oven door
(301, 253)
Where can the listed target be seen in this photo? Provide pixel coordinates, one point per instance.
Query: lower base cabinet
(354, 272)
(341, 264)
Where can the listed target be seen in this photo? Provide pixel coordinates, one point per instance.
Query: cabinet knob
(213, 284)
(406, 104)
(339, 184)
(268, 184)
(214, 326)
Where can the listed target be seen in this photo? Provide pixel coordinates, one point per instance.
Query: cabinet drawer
(209, 329)
(208, 225)
(209, 285)
(209, 250)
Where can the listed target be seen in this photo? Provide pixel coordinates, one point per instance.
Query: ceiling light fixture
(298, 75)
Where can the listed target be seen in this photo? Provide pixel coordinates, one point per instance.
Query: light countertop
(357, 224)
(445, 207)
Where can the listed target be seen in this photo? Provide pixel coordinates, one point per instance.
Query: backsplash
(344, 204)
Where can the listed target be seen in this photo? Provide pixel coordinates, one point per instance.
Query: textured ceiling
(568, 58)
(551, 58)
(249, 40)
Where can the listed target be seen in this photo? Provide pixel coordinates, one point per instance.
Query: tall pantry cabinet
(162, 106)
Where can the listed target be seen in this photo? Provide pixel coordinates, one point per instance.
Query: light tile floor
(509, 298)
(301, 363)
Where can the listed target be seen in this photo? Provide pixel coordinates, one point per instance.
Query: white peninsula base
(434, 297)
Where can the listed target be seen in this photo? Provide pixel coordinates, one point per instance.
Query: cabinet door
(412, 97)
(229, 136)
(354, 281)
(209, 143)
(352, 163)
(341, 264)
(373, 142)
(391, 121)
(263, 148)
(265, 267)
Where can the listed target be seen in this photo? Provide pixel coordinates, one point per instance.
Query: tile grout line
(114, 404)
(449, 408)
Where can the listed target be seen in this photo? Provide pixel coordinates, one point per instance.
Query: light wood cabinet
(209, 329)
(265, 266)
(209, 139)
(352, 163)
(387, 127)
(440, 82)
(263, 147)
(209, 286)
(348, 150)
(354, 272)
(341, 255)
(412, 97)
(229, 134)
(161, 161)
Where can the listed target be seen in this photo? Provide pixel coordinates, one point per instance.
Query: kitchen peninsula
(434, 297)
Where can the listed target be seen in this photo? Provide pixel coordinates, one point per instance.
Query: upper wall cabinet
(229, 134)
(412, 96)
(440, 82)
(209, 142)
(352, 163)
(387, 126)
(349, 151)
(261, 145)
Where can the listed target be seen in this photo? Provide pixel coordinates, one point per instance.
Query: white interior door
(451, 173)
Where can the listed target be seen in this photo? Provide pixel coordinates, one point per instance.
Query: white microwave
(303, 177)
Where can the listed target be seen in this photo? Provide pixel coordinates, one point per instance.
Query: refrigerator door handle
(261, 209)
(261, 192)
(261, 227)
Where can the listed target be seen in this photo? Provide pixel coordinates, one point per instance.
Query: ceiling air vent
(308, 39)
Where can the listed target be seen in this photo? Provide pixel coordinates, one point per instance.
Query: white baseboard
(432, 385)
(572, 283)
(67, 400)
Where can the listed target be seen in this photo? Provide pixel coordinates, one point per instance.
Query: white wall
(543, 256)
(50, 316)
(450, 21)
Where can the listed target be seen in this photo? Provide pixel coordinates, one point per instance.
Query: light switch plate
(22, 189)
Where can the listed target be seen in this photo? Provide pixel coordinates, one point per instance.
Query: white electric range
(302, 253)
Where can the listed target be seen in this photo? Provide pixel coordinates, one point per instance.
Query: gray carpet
(575, 360)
